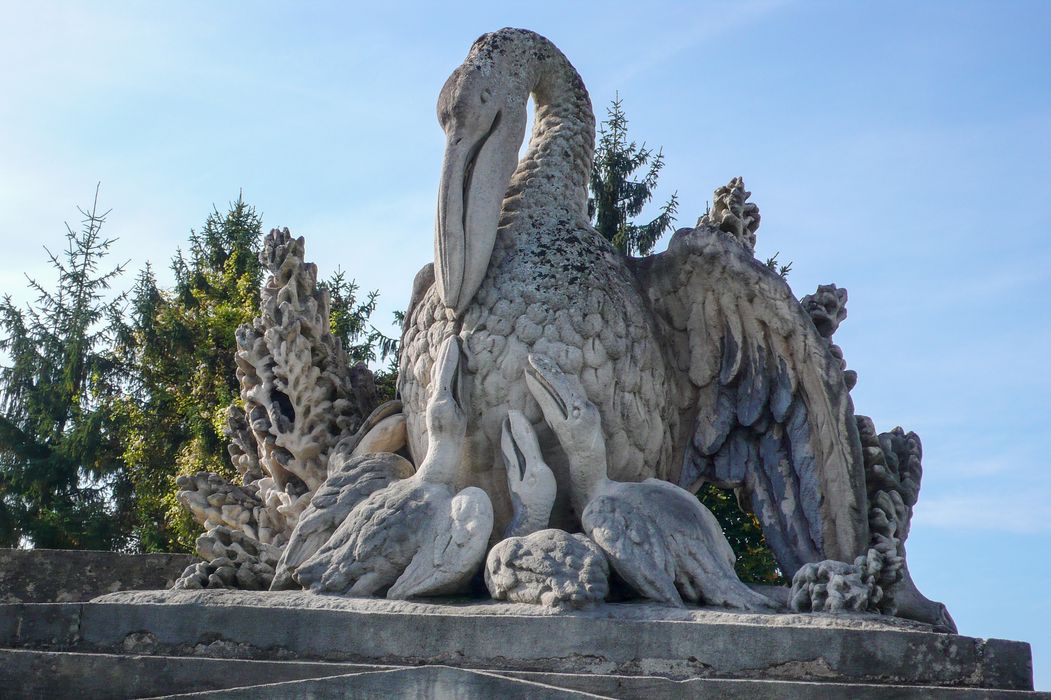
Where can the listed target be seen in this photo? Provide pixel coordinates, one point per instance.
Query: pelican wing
(350, 484)
(635, 545)
(762, 402)
(452, 549)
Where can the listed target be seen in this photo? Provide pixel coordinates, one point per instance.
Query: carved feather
(765, 399)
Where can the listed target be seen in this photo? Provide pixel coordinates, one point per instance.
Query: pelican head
(482, 109)
(573, 418)
(530, 480)
(446, 419)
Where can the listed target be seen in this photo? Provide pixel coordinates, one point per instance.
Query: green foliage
(350, 321)
(104, 403)
(780, 269)
(755, 562)
(180, 345)
(616, 198)
(62, 483)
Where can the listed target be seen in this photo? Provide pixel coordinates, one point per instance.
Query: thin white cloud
(706, 22)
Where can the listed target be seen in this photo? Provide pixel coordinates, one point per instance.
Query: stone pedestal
(293, 644)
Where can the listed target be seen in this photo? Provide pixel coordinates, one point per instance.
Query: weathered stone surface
(624, 639)
(232, 559)
(30, 675)
(350, 481)
(59, 575)
(834, 586)
(733, 213)
(658, 537)
(418, 535)
(657, 688)
(35, 674)
(548, 567)
(428, 682)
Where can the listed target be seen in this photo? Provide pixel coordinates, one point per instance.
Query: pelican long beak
(446, 377)
(518, 444)
(549, 387)
(476, 170)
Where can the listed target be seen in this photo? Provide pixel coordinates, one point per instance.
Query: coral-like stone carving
(294, 378)
(231, 560)
(836, 586)
(548, 567)
(828, 308)
(733, 213)
(874, 582)
(214, 501)
(300, 401)
(244, 452)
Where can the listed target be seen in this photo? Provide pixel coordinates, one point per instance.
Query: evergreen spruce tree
(180, 346)
(62, 482)
(350, 321)
(755, 562)
(616, 198)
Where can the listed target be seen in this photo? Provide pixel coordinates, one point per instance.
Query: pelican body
(700, 360)
(420, 535)
(518, 269)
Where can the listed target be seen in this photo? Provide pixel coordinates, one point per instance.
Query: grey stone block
(427, 682)
(656, 688)
(41, 674)
(625, 639)
(62, 576)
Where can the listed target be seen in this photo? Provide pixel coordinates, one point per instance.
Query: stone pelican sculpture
(533, 564)
(529, 479)
(700, 361)
(348, 485)
(417, 536)
(656, 535)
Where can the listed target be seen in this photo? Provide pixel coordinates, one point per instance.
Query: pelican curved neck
(588, 472)
(442, 462)
(531, 513)
(555, 169)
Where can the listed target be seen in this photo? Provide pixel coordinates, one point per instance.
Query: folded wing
(762, 405)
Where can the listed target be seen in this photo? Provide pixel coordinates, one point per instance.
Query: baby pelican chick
(417, 536)
(529, 479)
(657, 536)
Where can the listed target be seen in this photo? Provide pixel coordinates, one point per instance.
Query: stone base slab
(674, 647)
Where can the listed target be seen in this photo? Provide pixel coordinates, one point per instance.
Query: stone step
(26, 674)
(626, 650)
(66, 576)
(427, 682)
(657, 688)
(30, 674)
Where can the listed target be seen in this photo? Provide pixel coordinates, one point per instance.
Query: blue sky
(899, 149)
